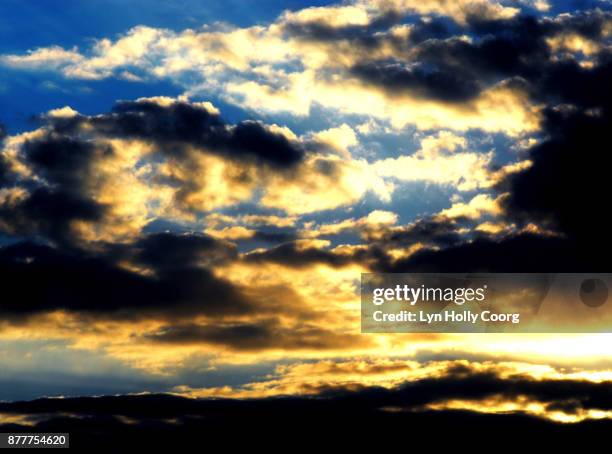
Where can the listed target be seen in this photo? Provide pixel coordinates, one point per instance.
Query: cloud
(324, 182)
(396, 77)
(498, 108)
(455, 395)
(461, 11)
(420, 386)
(331, 16)
(164, 158)
(47, 213)
(340, 138)
(47, 58)
(267, 228)
(506, 254)
(435, 231)
(164, 417)
(438, 162)
(480, 205)
(261, 283)
(164, 297)
(362, 58)
(62, 112)
(277, 221)
(299, 254)
(67, 189)
(368, 225)
(173, 280)
(564, 187)
(264, 335)
(571, 195)
(236, 232)
(194, 124)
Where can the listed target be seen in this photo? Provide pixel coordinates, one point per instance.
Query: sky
(190, 191)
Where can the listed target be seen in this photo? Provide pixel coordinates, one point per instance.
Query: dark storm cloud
(163, 251)
(181, 123)
(456, 70)
(518, 48)
(459, 382)
(588, 22)
(242, 335)
(568, 184)
(48, 209)
(294, 255)
(4, 168)
(435, 28)
(269, 334)
(567, 187)
(440, 84)
(452, 69)
(386, 414)
(42, 279)
(49, 213)
(63, 161)
(5, 172)
(275, 236)
(515, 253)
(434, 231)
(446, 249)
